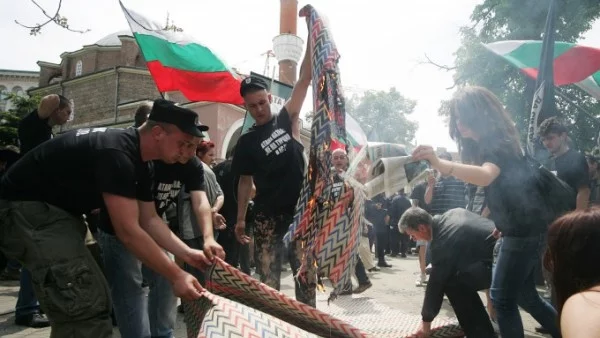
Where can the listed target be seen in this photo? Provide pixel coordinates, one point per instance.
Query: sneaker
(363, 287)
(34, 320)
(422, 280)
(374, 269)
(384, 265)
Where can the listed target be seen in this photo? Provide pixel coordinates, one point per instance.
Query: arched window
(17, 90)
(78, 68)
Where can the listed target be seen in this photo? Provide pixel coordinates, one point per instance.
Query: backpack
(558, 196)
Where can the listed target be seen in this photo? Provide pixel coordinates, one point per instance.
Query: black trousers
(404, 243)
(469, 309)
(381, 245)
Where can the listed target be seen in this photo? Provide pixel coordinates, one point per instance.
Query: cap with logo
(185, 119)
(252, 82)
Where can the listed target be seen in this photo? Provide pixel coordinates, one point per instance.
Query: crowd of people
(111, 226)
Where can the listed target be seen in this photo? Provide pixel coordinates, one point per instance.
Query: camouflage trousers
(268, 253)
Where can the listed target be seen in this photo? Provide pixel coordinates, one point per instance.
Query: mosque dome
(113, 38)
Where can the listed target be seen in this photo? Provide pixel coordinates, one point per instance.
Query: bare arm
(579, 315)
(218, 204)
(583, 197)
(203, 214)
(244, 190)
(201, 209)
(160, 232)
(48, 105)
(482, 175)
(124, 215)
(294, 104)
(428, 194)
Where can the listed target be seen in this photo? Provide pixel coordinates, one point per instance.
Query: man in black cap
(271, 155)
(44, 194)
(153, 315)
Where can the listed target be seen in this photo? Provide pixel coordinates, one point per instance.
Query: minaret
(287, 46)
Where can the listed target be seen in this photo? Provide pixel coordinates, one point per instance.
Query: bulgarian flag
(573, 63)
(178, 62)
(354, 133)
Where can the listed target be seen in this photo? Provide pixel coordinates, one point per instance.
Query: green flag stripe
(190, 57)
(528, 54)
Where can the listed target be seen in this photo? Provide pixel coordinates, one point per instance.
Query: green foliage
(384, 114)
(8, 129)
(9, 120)
(496, 20)
(23, 105)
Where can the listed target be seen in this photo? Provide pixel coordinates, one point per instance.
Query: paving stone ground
(393, 293)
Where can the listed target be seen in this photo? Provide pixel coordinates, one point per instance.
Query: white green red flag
(179, 62)
(573, 63)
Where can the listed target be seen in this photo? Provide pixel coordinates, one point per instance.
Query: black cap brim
(194, 131)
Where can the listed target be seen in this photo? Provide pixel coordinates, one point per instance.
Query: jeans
(136, 314)
(513, 285)
(27, 303)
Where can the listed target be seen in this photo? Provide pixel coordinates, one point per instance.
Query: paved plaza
(393, 294)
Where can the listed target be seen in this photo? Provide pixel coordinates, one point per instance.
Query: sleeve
(117, 174)
(194, 175)
(434, 294)
(243, 162)
(494, 158)
(284, 121)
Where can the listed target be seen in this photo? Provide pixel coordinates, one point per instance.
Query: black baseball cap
(185, 119)
(252, 82)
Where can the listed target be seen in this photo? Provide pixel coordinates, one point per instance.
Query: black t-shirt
(513, 198)
(167, 180)
(228, 182)
(33, 131)
(400, 203)
(273, 157)
(572, 168)
(72, 171)
(418, 193)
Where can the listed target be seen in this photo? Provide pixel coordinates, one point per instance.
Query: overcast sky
(381, 42)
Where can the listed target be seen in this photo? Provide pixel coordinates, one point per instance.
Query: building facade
(16, 82)
(108, 80)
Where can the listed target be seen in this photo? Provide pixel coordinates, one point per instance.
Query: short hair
(167, 127)
(445, 155)
(413, 217)
(552, 125)
(339, 150)
(141, 113)
(63, 102)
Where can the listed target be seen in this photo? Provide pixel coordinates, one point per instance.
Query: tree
(9, 120)
(496, 20)
(384, 114)
(57, 19)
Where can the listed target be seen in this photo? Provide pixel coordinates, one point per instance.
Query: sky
(382, 43)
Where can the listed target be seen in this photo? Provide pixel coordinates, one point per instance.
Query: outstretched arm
(294, 104)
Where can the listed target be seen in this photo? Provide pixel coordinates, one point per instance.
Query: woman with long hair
(572, 258)
(486, 136)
